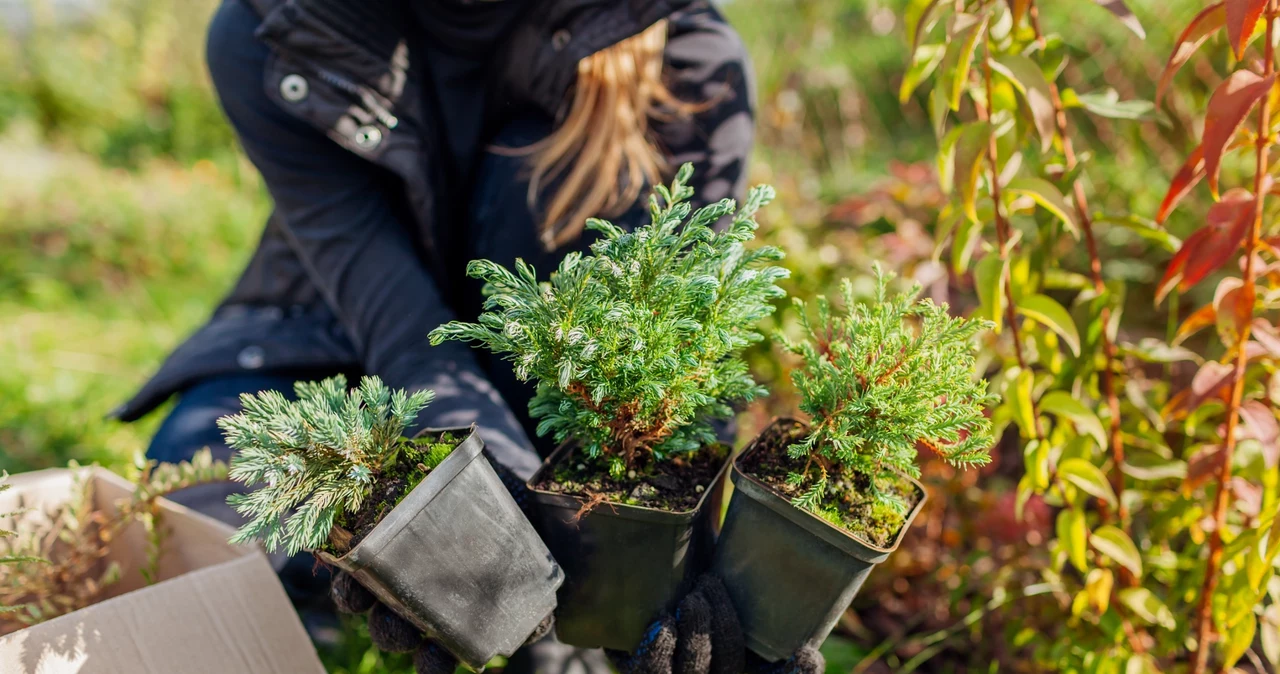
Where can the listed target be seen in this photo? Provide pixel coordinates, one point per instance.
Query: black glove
(393, 634)
(704, 636)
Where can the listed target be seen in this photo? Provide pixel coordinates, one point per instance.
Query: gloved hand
(393, 634)
(704, 636)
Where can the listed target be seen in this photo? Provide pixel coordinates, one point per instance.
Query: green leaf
(918, 17)
(1147, 607)
(1018, 397)
(1027, 77)
(1088, 478)
(970, 151)
(1143, 227)
(1066, 406)
(1045, 310)
(962, 37)
(968, 235)
(1107, 103)
(1117, 545)
(988, 280)
(1154, 468)
(1072, 533)
(926, 60)
(1239, 638)
(1044, 193)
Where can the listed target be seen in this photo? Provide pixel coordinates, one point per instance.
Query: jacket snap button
(560, 39)
(367, 137)
(251, 357)
(293, 88)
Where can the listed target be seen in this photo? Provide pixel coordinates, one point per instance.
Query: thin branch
(1204, 611)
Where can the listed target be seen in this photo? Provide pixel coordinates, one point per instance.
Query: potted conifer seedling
(635, 349)
(425, 523)
(816, 506)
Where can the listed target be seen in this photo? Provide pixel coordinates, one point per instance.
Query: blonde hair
(602, 150)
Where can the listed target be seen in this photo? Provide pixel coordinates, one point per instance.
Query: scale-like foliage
(880, 378)
(636, 347)
(319, 455)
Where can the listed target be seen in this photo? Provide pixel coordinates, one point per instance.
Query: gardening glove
(393, 634)
(704, 636)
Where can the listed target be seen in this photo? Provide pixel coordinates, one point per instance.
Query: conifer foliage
(880, 378)
(320, 455)
(636, 346)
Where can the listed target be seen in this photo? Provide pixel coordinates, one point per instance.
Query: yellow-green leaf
(1117, 545)
(1045, 310)
(1018, 397)
(1047, 196)
(988, 280)
(1239, 638)
(1088, 478)
(1072, 533)
(926, 60)
(962, 36)
(919, 20)
(1147, 607)
(1063, 404)
(970, 150)
(1029, 80)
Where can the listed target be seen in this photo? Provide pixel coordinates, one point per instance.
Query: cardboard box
(217, 608)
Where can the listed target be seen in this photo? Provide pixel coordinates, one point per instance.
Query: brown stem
(1108, 384)
(1003, 235)
(1204, 610)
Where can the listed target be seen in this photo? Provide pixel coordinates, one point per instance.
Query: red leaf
(1259, 423)
(1267, 336)
(1201, 27)
(1242, 17)
(1200, 319)
(1203, 465)
(1210, 246)
(1212, 380)
(1228, 106)
(1190, 174)
(1233, 308)
(1248, 496)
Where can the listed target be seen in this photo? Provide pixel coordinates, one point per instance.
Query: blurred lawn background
(126, 209)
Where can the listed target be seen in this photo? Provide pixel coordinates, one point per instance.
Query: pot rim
(621, 510)
(416, 500)
(818, 526)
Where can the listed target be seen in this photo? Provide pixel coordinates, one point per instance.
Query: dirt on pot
(674, 485)
(417, 459)
(846, 505)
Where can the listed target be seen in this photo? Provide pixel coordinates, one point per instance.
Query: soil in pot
(846, 505)
(674, 485)
(417, 459)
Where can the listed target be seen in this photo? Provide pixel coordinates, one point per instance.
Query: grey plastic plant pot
(623, 564)
(789, 573)
(458, 559)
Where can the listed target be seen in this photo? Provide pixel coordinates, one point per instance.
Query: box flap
(232, 617)
(217, 607)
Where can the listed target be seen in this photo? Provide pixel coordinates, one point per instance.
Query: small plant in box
(56, 562)
(878, 379)
(333, 473)
(635, 349)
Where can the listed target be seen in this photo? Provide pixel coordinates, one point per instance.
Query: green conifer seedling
(319, 456)
(636, 347)
(878, 379)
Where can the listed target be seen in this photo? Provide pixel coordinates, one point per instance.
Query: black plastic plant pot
(623, 564)
(789, 573)
(458, 559)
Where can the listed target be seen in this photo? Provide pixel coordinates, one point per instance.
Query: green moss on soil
(418, 457)
(845, 505)
(674, 485)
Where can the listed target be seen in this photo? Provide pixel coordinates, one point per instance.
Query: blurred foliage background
(126, 211)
